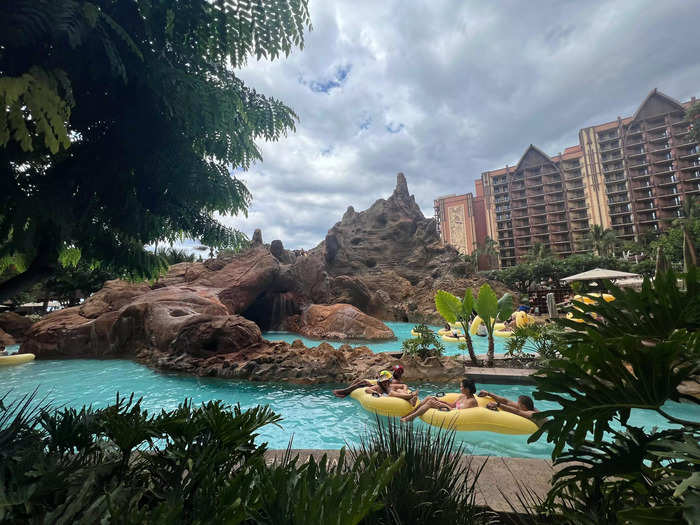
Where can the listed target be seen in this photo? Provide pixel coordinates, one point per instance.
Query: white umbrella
(598, 274)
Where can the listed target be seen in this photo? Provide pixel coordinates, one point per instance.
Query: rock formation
(206, 318)
(338, 321)
(14, 327)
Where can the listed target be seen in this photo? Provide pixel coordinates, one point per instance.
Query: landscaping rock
(338, 321)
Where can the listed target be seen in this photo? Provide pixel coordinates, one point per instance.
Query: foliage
(522, 276)
(188, 465)
(124, 122)
(454, 310)
(175, 256)
(427, 344)
(543, 339)
(491, 310)
(632, 354)
(692, 115)
(434, 482)
(603, 240)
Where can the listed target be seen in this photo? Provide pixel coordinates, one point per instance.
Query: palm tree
(489, 249)
(690, 213)
(602, 239)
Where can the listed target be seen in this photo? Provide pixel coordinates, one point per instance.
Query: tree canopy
(123, 122)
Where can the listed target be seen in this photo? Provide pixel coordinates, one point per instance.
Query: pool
(402, 332)
(312, 416)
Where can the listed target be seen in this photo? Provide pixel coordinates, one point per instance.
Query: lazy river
(402, 331)
(312, 416)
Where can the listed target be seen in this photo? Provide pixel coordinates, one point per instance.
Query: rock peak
(401, 189)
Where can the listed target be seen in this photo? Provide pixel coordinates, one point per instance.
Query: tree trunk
(470, 344)
(489, 354)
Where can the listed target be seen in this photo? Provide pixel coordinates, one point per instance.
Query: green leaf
(468, 304)
(448, 306)
(505, 306)
(487, 305)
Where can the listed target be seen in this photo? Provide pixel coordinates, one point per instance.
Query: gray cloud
(446, 90)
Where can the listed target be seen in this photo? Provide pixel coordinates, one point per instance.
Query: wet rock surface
(338, 321)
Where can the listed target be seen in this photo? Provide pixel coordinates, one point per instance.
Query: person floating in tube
(397, 388)
(523, 407)
(467, 389)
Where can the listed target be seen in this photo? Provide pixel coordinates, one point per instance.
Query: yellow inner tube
(502, 333)
(15, 359)
(451, 339)
(474, 327)
(474, 419)
(522, 319)
(384, 405)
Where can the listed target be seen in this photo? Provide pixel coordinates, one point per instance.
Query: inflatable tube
(593, 298)
(442, 331)
(474, 419)
(384, 405)
(522, 319)
(502, 333)
(15, 359)
(451, 339)
(476, 323)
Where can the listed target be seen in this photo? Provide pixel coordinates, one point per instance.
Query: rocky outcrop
(6, 339)
(297, 364)
(338, 321)
(15, 325)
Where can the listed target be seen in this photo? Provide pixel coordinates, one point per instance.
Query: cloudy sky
(444, 90)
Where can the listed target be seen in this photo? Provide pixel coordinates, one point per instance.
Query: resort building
(630, 175)
(455, 221)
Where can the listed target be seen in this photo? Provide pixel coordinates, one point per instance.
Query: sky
(445, 90)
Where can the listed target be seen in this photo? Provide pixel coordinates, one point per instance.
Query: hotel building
(630, 175)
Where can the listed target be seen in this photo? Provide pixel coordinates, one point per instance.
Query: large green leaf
(505, 306)
(467, 303)
(487, 305)
(448, 306)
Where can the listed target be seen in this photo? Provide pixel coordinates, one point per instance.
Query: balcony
(636, 152)
(618, 200)
(654, 137)
(653, 127)
(610, 147)
(640, 163)
(613, 169)
(615, 178)
(666, 181)
(615, 213)
(615, 191)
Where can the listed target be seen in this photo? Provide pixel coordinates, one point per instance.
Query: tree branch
(37, 271)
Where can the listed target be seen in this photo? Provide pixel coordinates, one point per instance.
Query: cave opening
(271, 309)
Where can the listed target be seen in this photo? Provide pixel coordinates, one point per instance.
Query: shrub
(633, 355)
(425, 345)
(434, 483)
(544, 339)
(188, 465)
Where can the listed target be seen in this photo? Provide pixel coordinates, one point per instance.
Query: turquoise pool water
(402, 332)
(312, 416)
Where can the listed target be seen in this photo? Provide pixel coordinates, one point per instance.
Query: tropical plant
(175, 256)
(188, 465)
(632, 354)
(454, 310)
(692, 115)
(489, 250)
(542, 341)
(491, 309)
(435, 482)
(425, 345)
(602, 240)
(122, 123)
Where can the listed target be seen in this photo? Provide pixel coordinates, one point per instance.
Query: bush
(634, 354)
(188, 465)
(545, 339)
(425, 345)
(434, 482)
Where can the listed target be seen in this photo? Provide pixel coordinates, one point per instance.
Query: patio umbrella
(598, 274)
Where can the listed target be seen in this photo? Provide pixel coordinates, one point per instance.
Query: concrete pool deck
(501, 482)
